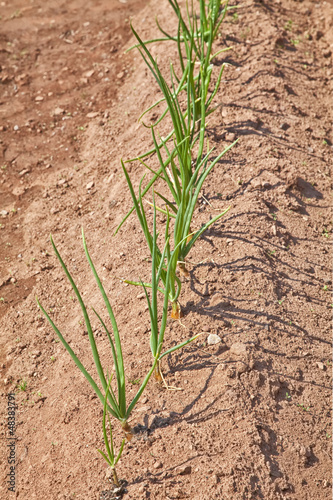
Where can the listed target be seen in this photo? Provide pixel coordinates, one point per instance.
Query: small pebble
(23, 172)
(90, 185)
(213, 339)
(284, 126)
(58, 111)
(90, 73)
(183, 471)
(92, 115)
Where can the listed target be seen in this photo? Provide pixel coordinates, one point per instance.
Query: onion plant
(162, 264)
(182, 170)
(116, 404)
(189, 124)
(194, 42)
(182, 174)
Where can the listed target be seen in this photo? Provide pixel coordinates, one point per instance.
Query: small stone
(215, 300)
(284, 126)
(58, 111)
(304, 451)
(141, 296)
(39, 98)
(231, 137)
(90, 185)
(213, 339)
(23, 172)
(120, 75)
(158, 465)
(16, 128)
(183, 471)
(310, 150)
(3, 213)
(89, 74)
(93, 114)
(61, 182)
(320, 365)
(238, 348)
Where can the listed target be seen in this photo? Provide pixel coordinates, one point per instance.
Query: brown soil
(253, 418)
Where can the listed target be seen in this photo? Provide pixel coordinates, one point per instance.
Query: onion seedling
(185, 177)
(188, 126)
(116, 405)
(158, 267)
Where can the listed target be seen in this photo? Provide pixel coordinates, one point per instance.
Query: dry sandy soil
(253, 417)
